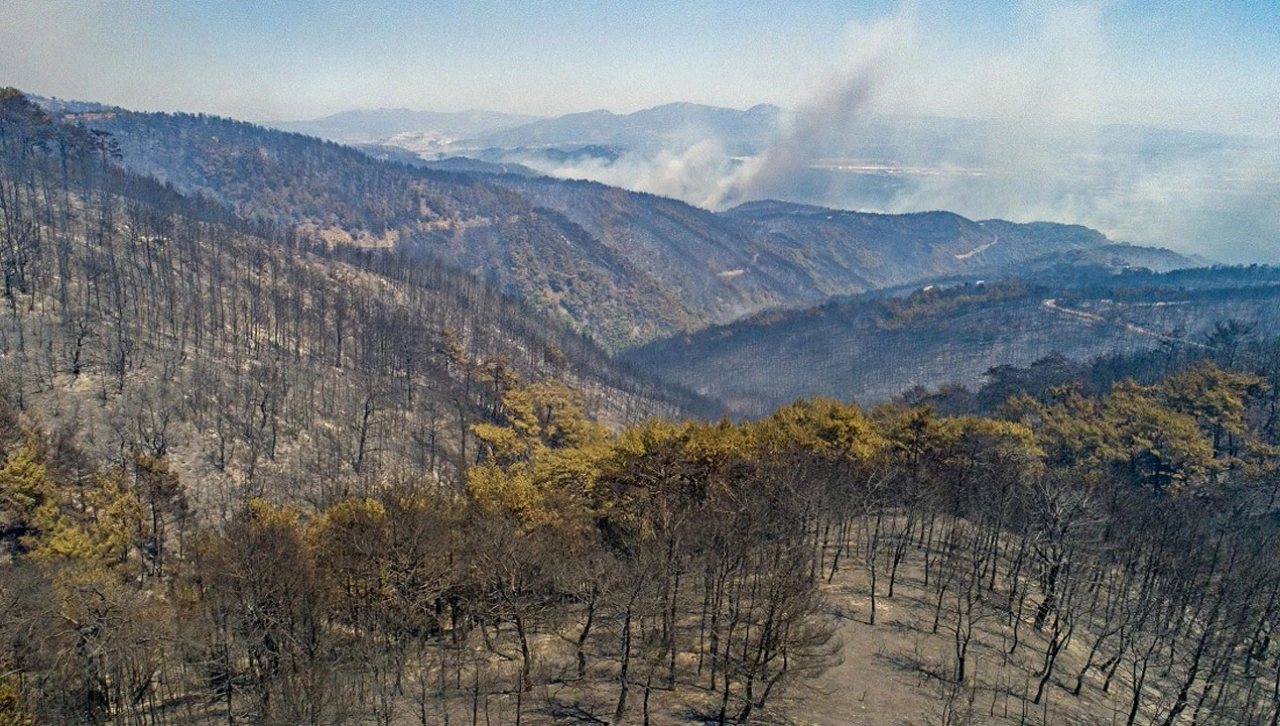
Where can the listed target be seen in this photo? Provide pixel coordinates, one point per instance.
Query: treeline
(873, 348)
(1232, 345)
(157, 322)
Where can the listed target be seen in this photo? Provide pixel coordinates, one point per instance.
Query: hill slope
(344, 196)
(871, 349)
(158, 322)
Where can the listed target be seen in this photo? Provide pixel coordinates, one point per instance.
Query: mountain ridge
(367, 125)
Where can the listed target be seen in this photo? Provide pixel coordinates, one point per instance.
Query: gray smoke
(816, 130)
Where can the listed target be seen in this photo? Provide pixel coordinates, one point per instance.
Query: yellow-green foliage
(504, 489)
(547, 462)
(25, 491)
(504, 443)
(14, 710)
(98, 524)
(95, 523)
(267, 518)
(1132, 431)
(348, 541)
(998, 451)
(822, 426)
(1216, 398)
(548, 450)
(972, 436)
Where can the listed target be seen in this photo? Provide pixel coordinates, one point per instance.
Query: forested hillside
(716, 264)
(884, 250)
(149, 321)
(871, 349)
(346, 197)
(769, 253)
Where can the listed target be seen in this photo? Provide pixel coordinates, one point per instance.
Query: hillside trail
(979, 249)
(1052, 304)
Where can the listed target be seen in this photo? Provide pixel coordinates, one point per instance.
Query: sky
(1190, 64)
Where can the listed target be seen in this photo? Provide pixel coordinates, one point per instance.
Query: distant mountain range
(646, 131)
(368, 126)
(904, 142)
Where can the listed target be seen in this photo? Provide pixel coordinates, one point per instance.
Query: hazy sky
(1211, 64)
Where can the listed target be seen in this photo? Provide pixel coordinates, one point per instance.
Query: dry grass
(899, 672)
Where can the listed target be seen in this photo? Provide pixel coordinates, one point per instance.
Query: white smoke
(695, 173)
